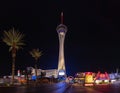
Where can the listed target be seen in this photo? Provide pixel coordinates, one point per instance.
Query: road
(61, 88)
(76, 88)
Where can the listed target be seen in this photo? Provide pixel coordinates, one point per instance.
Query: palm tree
(14, 40)
(35, 53)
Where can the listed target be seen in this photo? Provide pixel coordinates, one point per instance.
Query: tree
(35, 53)
(14, 39)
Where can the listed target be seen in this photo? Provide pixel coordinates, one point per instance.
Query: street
(62, 88)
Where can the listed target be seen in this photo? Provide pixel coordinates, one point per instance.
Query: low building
(47, 73)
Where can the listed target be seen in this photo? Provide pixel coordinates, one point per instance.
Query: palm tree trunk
(13, 70)
(36, 70)
(26, 77)
(13, 65)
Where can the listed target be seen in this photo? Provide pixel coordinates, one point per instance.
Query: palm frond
(35, 53)
(13, 38)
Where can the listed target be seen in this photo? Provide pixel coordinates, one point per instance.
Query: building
(61, 30)
(50, 73)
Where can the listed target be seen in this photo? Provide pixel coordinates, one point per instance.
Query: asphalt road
(62, 88)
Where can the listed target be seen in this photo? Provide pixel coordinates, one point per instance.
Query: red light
(89, 73)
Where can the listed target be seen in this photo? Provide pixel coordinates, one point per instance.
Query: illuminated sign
(89, 81)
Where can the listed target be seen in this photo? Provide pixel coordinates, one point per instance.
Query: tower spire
(61, 17)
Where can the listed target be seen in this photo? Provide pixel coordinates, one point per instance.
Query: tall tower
(61, 30)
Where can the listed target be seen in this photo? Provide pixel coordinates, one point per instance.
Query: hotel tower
(61, 30)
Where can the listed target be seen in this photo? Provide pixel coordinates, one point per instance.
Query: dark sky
(92, 41)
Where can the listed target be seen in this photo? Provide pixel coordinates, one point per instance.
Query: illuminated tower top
(61, 28)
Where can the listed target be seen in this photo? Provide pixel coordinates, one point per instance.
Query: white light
(112, 81)
(62, 33)
(61, 73)
(98, 81)
(106, 81)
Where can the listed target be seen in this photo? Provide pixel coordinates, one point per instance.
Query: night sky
(92, 41)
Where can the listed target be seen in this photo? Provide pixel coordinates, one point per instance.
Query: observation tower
(61, 30)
